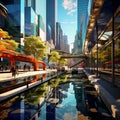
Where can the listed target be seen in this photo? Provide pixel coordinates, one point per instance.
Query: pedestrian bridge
(15, 56)
(73, 56)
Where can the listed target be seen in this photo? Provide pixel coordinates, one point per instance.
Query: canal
(67, 97)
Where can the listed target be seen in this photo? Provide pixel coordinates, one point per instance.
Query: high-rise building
(83, 11)
(30, 22)
(25, 18)
(14, 22)
(40, 9)
(35, 14)
(58, 35)
(51, 10)
(65, 45)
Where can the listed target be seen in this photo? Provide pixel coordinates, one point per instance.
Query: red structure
(16, 56)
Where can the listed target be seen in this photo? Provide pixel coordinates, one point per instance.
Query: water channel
(67, 97)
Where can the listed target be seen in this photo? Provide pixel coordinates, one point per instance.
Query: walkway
(109, 93)
(8, 77)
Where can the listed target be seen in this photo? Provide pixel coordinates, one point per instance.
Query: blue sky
(67, 11)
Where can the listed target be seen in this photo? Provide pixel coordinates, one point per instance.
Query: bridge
(68, 55)
(15, 56)
(73, 56)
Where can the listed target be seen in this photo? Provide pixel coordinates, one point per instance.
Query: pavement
(109, 93)
(7, 76)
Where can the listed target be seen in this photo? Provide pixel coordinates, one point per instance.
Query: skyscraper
(40, 9)
(58, 35)
(66, 46)
(51, 10)
(14, 22)
(83, 10)
(25, 18)
(35, 18)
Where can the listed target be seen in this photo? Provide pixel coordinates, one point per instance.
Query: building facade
(51, 11)
(25, 18)
(14, 22)
(58, 35)
(65, 45)
(83, 12)
(41, 12)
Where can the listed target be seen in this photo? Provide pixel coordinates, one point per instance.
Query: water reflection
(60, 98)
(23, 81)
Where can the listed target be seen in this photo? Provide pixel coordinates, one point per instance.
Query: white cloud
(71, 11)
(70, 6)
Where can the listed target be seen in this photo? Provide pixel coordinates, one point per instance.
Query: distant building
(75, 46)
(61, 40)
(58, 35)
(65, 45)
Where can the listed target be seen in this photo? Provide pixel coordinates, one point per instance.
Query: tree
(4, 34)
(36, 93)
(62, 61)
(54, 56)
(8, 44)
(34, 46)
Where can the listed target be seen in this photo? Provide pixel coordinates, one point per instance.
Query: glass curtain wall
(109, 59)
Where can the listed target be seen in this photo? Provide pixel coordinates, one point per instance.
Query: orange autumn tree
(6, 42)
(3, 34)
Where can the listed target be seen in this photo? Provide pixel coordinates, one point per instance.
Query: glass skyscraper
(83, 11)
(14, 22)
(51, 10)
(25, 18)
(41, 12)
(30, 22)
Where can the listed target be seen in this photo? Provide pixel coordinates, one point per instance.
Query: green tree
(34, 46)
(34, 95)
(62, 61)
(54, 56)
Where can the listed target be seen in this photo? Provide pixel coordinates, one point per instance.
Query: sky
(67, 16)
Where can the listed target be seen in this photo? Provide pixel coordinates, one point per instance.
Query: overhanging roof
(3, 9)
(104, 20)
(94, 13)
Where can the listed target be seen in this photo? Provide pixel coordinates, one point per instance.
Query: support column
(35, 66)
(113, 46)
(12, 62)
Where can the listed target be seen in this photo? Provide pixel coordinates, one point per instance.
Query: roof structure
(3, 10)
(101, 17)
